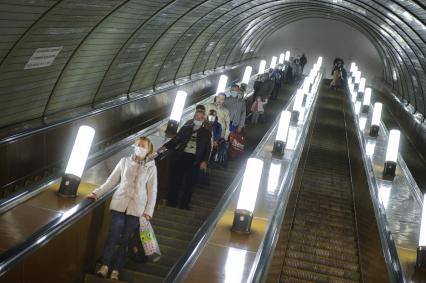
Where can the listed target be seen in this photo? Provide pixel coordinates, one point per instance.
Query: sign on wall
(43, 57)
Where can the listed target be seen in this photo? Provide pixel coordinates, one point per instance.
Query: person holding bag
(135, 197)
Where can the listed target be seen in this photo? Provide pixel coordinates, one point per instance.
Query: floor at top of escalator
(174, 227)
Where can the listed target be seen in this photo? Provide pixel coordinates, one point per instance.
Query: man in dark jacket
(192, 145)
(303, 61)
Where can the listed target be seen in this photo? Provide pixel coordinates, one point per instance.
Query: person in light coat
(222, 112)
(135, 197)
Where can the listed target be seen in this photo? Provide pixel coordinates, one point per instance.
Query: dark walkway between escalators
(318, 240)
(175, 227)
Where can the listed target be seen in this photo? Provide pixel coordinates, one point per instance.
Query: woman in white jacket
(136, 177)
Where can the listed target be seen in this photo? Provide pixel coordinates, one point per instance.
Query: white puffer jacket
(137, 191)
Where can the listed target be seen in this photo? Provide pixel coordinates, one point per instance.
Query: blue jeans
(121, 228)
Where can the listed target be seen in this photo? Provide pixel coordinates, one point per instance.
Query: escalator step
(290, 274)
(323, 269)
(130, 276)
(322, 260)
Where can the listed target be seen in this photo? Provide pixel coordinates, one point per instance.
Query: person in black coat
(303, 61)
(192, 146)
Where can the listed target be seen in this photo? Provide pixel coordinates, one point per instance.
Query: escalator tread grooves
(321, 246)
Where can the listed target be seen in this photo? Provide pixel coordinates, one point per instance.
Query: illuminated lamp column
(221, 86)
(243, 215)
(421, 248)
(287, 56)
(273, 62)
(366, 101)
(282, 133)
(281, 59)
(175, 116)
(375, 120)
(247, 75)
(262, 67)
(391, 154)
(297, 106)
(77, 161)
(361, 88)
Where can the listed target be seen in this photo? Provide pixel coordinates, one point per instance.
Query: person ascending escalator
(136, 177)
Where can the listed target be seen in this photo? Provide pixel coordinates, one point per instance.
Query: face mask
(234, 94)
(219, 103)
(197, 123)
(240, 95)
(212, 118)
(140, 151)
(227, 94)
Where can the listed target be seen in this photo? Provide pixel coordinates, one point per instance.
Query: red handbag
(237, 142)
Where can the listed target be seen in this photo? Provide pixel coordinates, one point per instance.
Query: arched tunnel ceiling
(111, 48)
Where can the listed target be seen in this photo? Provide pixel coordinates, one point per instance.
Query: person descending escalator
(237, 109)
(192, 146)
(136, 177)
(216, 131)
(276, 74)
(303, 61)
(206, 123)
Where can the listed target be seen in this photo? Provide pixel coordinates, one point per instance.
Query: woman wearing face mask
(136, 177)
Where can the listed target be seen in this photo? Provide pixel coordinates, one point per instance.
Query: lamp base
(305, 98)
(421, 258)
(279, 148)
(172, 127)
(294, 116)
(242, 221)
(69, 186)
(356, 88)
(374, 131)
(365, 108)
(389, 170)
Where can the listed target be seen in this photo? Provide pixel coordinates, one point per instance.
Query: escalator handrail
(198, 242)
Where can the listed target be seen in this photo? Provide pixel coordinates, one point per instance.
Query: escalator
(174, 227)
(318, 239)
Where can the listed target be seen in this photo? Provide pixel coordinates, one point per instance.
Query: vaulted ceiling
(108, 48)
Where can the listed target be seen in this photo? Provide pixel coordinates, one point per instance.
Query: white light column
(273, 62)
(287, 56)
(247, 75)
(391, 154)
(262, 67)
(366, 101)
(297, 106)
(421, 248)
(77, 161)
(282, 133)
(243, 214)
(174, 120)
(221, 86)
(375, 120)
(281, 59)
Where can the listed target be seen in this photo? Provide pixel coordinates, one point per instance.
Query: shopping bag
(237, 145)
(148, 240)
